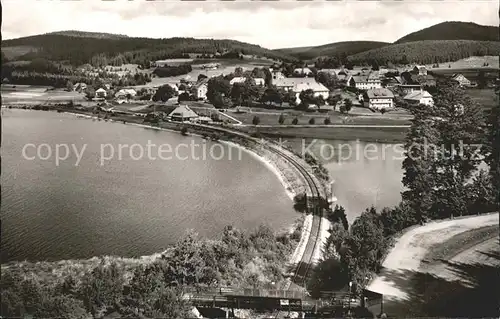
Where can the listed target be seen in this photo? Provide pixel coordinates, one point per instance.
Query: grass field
(381, 134)
(271, 117)
(226, 67)
(484, 97)
(19, 94)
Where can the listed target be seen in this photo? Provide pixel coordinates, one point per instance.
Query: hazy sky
(269, 24)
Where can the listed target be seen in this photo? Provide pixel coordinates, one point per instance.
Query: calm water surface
(125, 207)
(365, 174)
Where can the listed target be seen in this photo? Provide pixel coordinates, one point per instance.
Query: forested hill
(447, 41)
(77, 49)
(86, 34)
(332, 49)
(427, 52)
(454, 31)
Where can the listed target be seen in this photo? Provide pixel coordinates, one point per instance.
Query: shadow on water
(432, 296)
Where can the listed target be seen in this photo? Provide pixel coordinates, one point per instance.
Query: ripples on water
(127, 207)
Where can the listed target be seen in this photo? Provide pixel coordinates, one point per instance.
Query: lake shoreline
(292, 187)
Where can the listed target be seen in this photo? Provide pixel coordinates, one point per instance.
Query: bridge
(330, 302)
(266, 300)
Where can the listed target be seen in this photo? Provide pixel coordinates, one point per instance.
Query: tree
(164, 93)
(460, 127)
(333, 100)
(150, 297)
(338, 215)
(491, 147)
(217, 88)
(327, 121)
(90, 92)
(102, 288)
(183, 97)
(311, 121)
(69, 86)
(375, 66)
(255, 120)
(327, 79)
(272, 95)
(346, 106)
(306, 97)
(419, 164)
(238, 72)
(295, 121)
(61, 307)
(281, 119)
(364, 247)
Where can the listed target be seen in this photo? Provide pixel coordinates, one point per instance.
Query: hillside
(86, 34)
(77, 48)
(454, 31)
(332, 49)
(427, 52)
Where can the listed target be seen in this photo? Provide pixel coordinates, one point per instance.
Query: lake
(365, 174)
(101, 200)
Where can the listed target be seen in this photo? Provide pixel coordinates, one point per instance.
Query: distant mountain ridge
(442, 34)
(332, 49)
(78, 47)
(427, 52)
(454, 30)
(87, 34)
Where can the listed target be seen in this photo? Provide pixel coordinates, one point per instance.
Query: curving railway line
(313, 206)
(300, 275)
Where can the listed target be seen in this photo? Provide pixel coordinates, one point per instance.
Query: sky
(268, 24)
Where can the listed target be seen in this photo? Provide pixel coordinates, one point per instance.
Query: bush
(295, 121)
(327, 121)
(255, 120)
(281, 119)
(184, 131)
(312, 121)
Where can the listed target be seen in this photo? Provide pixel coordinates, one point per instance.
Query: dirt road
(411, 248)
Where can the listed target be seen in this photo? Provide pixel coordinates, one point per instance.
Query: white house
(379, 99)
(101, 93)
(409, 88)
(183, 113)
(126, 93)
(277, 74)
(461, 79)
(419, 97)
(200, 89)
(238, 79)
(259, 81)
(364, 82)
(302, 72)
(318, 88)
(287, 83)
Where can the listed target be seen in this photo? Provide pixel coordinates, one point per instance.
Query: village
(359, 90)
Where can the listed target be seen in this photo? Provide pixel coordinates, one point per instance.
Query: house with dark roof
(365, 82)
(419, 69)
(461, 79)
(380, 98)
(183, 113)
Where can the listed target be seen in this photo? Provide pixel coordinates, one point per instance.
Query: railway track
(300, 275)
(314, 207)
